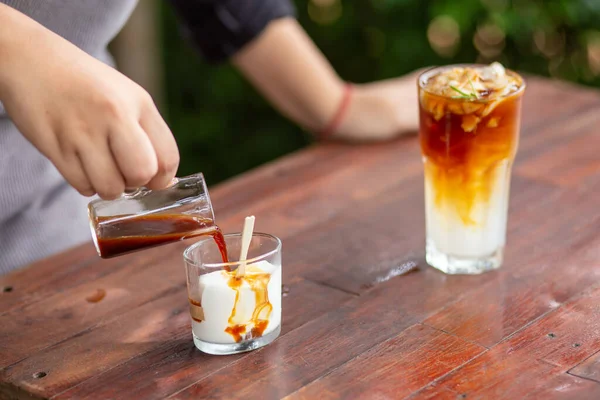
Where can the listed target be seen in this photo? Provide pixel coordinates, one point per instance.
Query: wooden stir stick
(246, 239)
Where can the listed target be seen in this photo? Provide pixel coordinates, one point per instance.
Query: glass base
(456, 265)
(220, 349)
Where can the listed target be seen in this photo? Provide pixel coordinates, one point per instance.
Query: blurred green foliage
(224, 127)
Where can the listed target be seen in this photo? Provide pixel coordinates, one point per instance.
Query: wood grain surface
(363, 315)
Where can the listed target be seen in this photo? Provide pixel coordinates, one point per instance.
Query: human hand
(381, 110)
(101, 130)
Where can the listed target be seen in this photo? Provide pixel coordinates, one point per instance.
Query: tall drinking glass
(469, 132)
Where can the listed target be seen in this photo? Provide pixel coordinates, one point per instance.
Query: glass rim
(92, 211)
(205, 187)
(430, 71)
(189, 249)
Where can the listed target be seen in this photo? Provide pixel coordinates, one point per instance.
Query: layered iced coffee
(469, 132)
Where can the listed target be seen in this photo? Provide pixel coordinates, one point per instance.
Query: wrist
(374, 113)
(332, 125)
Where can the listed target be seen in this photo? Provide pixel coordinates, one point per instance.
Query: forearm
(17, 32)
(270, 48)
(289, 70)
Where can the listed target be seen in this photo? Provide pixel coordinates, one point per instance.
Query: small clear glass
(147, 218)
(232, 314)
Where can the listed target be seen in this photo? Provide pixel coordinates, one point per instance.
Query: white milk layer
(218, 300)
(452, 236)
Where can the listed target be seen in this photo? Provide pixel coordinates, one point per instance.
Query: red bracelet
(332, 126)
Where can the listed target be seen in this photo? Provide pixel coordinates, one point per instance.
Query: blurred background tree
(223, 127)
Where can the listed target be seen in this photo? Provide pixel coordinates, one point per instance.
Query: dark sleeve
(219, 28)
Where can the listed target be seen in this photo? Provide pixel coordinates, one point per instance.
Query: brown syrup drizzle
(262, 310)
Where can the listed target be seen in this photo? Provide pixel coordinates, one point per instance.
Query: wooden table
(354, 326)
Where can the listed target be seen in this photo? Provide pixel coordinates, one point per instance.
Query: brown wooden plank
(525, 362)
(431, 393)
(355, 250)
(167, 367)
(543, 119)
(503, 387)
(324, 344)
(80, 265)
(547, 96)
(275, 176)
(559, 387)
(59, 271)
(271, 178)
(66, 314)
(360, 174)
(571, 163)
(589, 369)
(536, 230)
(566, 387)
(154, 324)
(512, 300)
(395, 368)
(547, 103)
